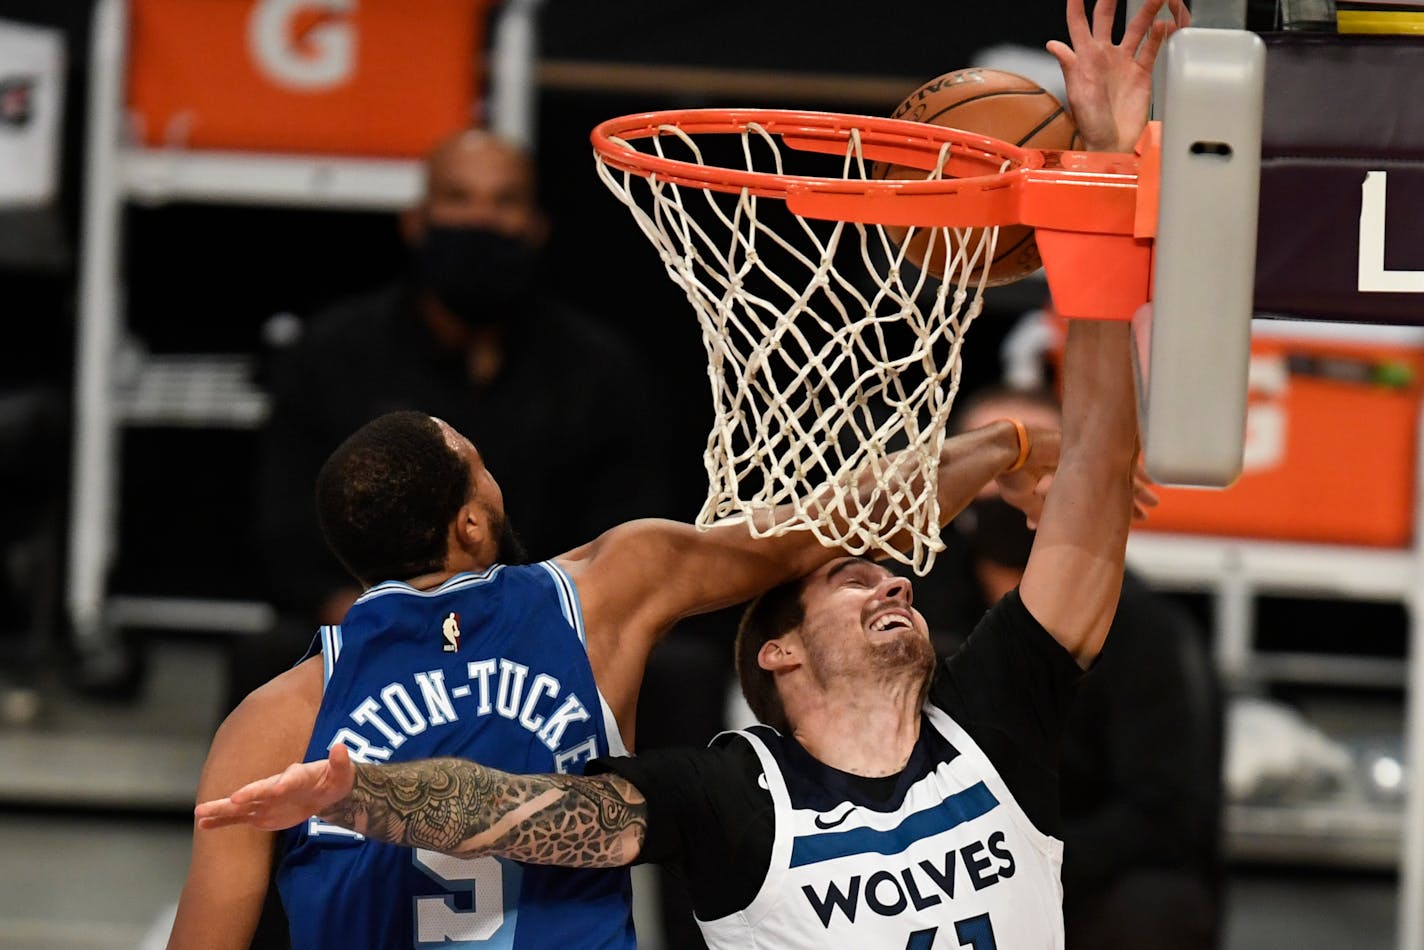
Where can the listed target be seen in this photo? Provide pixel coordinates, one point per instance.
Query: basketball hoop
(828, 349)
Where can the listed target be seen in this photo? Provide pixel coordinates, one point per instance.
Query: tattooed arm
(451, 805)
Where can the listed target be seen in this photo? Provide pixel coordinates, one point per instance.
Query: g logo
(327, 55)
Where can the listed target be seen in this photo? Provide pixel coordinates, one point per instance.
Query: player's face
(860, 617)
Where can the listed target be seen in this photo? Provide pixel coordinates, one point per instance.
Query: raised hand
(280, 801)
(1110, 85)
(1144, 498)
(1026, 487)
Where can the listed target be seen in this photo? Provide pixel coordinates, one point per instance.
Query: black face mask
(996, 531)
(482, 276)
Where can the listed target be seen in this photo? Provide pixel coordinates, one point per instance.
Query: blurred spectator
(1141, 765)
(474, 338)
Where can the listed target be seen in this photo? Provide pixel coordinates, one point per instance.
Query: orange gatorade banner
(362, 77)
(1331, 440)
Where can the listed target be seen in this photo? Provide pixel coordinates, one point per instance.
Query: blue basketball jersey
(490, 667)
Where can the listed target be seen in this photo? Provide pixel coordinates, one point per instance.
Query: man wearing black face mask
(470, 337)
(1140, 773)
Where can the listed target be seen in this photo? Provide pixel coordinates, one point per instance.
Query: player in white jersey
(895, 804)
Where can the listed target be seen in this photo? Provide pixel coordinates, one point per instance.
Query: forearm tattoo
(461, 807)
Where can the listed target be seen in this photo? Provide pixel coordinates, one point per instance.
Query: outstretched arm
(1074, 572)
(450, 805)
(640, 578)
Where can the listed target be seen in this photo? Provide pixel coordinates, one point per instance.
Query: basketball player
(883, 811)
(531, 668)
(885, 807)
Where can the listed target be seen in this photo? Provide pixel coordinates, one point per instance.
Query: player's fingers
(1146, 496)
(223, 809)
(341, 773)
(1061, 52)
(1078, 32)
(294, 778)
(1140, 23)
(1180, 14)
(1148, 54)
(214, 808)
(243, 817)
(262, 788)
(1104, 12)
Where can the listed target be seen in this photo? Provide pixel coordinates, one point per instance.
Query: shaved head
(449, 159)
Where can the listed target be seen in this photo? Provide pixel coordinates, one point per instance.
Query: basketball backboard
(1193, 342)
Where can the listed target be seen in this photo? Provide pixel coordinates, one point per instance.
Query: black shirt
(711, 820)
(566, 427)
(1140, 772)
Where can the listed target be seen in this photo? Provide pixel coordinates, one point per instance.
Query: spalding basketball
(1000, 105)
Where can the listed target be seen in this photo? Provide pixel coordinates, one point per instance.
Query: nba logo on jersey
(451, 631)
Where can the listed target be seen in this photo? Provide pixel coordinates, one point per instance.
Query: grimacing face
(860, 618)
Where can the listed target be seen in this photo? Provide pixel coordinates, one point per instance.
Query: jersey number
(437, 920)
(973, 932)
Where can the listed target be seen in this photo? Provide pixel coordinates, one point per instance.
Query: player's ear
(470, 528)
(780, 654)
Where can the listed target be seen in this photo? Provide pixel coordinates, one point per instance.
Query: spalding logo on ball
(1000, 105)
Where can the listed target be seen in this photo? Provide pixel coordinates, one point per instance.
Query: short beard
(511, 549)
(909, 658)
(905, 658)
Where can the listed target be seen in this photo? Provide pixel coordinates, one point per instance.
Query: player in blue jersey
(896, 804)
(454, 651)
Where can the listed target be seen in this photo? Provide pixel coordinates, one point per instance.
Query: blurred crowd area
(253, 280)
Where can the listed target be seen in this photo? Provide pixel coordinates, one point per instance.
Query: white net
(833, 360)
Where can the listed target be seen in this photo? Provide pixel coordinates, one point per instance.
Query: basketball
(997, 104)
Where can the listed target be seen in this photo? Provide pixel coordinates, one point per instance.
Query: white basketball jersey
(956, 864)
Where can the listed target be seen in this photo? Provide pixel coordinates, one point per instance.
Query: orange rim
(1095, 213)
(989, 181)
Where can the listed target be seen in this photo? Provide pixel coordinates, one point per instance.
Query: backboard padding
(1193, 343)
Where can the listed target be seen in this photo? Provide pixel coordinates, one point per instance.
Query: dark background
(205, 278)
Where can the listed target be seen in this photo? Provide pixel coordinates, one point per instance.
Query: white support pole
(1410, 909)
(1235, 620)
(513, 98)
(92, 517)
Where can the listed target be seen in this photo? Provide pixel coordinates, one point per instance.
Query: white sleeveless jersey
(956, 864)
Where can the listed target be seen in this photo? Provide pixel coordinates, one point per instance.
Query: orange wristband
(1024, 445)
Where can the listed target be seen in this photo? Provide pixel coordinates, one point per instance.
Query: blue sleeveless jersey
(490, 667)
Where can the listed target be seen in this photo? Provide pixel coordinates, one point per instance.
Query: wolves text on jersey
(496, 687)
(916, 886)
